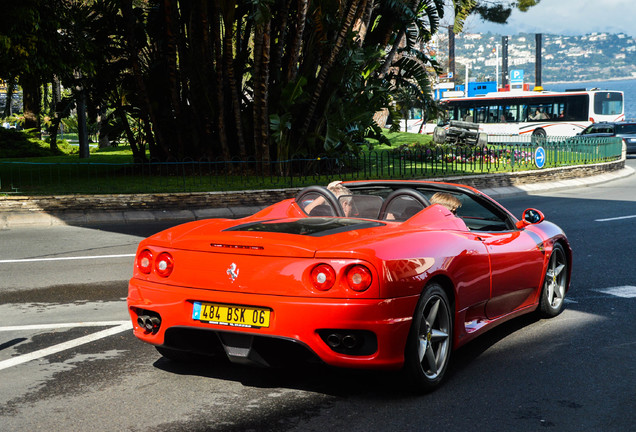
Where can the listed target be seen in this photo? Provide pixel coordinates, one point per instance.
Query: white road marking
(121, 326)
(63, 325)
(615, 218)
(8, 261)
(625, 291)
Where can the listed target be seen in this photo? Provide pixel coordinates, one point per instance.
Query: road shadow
(340, 382)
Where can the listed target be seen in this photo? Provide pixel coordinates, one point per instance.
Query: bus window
(577, 107)
(511, 113)
(481, 115)
(415, 114)
(493, 114)
(558, 111)
(462, 112)
(449, 114)
(608, 103)
(547, 111)
(539, 112)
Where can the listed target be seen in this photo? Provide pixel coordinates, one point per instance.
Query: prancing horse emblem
(232, 272)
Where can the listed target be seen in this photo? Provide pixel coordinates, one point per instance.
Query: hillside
(596, 56)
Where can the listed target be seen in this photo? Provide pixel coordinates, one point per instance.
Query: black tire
(429, 344)
(539, 133)
(554, 283)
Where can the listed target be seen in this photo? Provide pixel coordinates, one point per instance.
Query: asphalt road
(68, 360)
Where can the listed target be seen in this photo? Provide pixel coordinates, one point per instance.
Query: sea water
(627, 86)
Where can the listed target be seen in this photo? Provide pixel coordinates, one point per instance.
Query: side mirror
(529, 217)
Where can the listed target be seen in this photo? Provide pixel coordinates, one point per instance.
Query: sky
(565, 17)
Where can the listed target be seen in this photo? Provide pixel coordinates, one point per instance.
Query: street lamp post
(466, 64)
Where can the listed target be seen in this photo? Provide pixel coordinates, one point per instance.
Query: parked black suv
(625, 130)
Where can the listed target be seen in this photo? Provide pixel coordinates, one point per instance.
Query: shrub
(18, 144)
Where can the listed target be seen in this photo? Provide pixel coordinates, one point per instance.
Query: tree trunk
(365, 21)
(389, 58)
(31, 101)
(82, 129)
(139, 154)
(8, 106)
(159, 144)
(170, 20)
(228, 63)
(324, 71)
(220, 90)
(292, 68)
(280, 35)
(236, 102)
(56, 96)
(102, 121)
(396, 45)
(261, 87)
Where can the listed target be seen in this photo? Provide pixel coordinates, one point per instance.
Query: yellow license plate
(231, 315)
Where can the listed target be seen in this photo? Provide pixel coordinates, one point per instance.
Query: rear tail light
(164, 264)
(323, 277)
(359, 278)
(144, 261)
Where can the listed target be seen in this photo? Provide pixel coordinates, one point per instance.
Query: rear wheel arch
(567, 250)
(568, 254)
(447, 285)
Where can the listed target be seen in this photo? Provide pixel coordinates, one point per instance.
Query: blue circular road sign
(539, 157)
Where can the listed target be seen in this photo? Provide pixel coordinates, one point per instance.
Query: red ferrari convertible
(380, 274)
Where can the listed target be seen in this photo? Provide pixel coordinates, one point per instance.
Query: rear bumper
(297, 319)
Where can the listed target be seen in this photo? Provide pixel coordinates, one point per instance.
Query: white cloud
(570, 17)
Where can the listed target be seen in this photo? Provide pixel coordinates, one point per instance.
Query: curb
(534, 188)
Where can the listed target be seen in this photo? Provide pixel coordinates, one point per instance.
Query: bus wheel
(539, 133)
(538, 136)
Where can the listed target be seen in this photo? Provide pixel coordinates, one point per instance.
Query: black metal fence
(206, 175)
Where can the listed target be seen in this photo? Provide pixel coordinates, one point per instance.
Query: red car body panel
(492, 276)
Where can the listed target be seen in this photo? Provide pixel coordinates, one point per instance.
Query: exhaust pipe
(150, 323)
(353, 342)
(350, 341)
(141, 320)
(334, 340)
(337, 340)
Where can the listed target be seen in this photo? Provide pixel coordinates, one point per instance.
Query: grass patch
(402, 139)
(27, 144)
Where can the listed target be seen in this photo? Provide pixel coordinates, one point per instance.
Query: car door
(516, 262)
(516, 255)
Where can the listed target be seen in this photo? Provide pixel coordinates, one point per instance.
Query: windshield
(608, 103)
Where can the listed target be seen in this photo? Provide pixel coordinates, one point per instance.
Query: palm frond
(463, 9)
